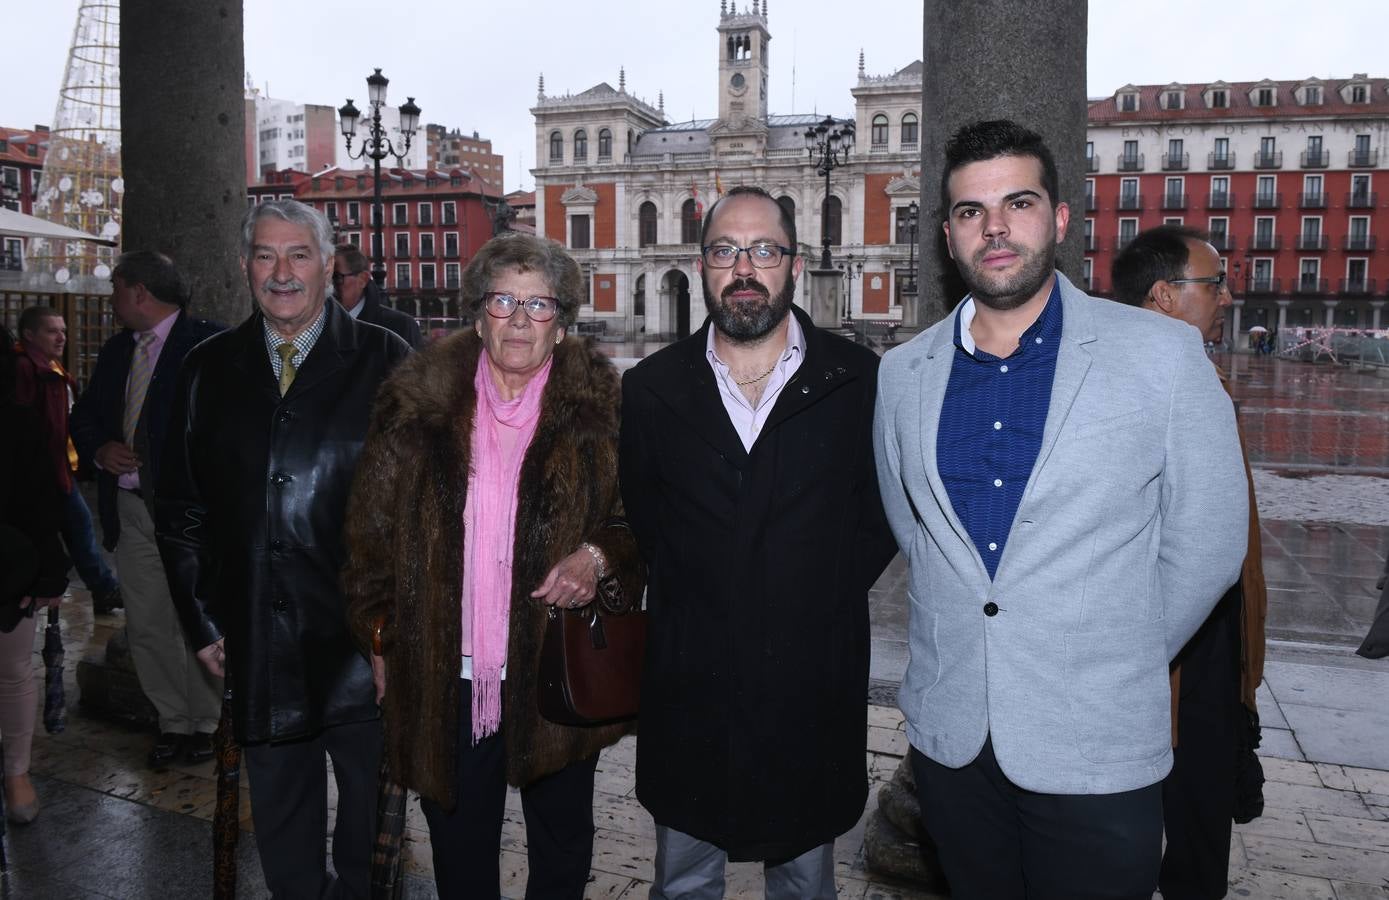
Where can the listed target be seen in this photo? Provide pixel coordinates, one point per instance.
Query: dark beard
(1016, 290)
(743, 321)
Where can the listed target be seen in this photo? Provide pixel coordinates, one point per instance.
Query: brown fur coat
(404, 537)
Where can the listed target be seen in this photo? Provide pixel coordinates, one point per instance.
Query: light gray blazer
(1132, 525)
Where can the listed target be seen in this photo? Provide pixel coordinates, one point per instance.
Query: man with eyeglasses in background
(1216, 776)
(364, 301)
(748, 479)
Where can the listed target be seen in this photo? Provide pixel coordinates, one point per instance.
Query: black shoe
(166, 749)
(199, 747)
(108, 602)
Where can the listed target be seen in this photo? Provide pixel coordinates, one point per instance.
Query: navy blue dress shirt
(991, 424)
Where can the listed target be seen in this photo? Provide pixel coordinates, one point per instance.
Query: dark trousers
(289, 806)
(1198, 796)
(80, 539)
(1000, 842)
(467, 840)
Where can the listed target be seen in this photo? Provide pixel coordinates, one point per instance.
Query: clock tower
(743, 40)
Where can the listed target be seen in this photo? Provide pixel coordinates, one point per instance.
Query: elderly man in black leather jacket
(268, 422)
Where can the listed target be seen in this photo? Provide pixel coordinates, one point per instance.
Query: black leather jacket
(249, 512)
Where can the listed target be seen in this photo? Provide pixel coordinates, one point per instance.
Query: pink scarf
(489, 531)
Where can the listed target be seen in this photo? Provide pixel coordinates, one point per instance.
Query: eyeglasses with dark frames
(340, 277)
(502, 306)
(1219, 281)
(763, 254)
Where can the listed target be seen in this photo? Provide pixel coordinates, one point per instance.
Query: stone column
(824, 296)
(1236, 308)
(1376, 306)
(183, 144)
(1330, 312)
(969, 75)
(1282, 314)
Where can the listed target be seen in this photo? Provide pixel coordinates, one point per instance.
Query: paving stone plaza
(1318, 437)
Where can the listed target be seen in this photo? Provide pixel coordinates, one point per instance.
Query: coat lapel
(330, 352)
(935, 376)
(691, 393)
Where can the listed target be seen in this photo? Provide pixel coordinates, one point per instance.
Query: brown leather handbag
(590, 664)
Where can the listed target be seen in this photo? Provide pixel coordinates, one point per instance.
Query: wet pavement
(1319, 438)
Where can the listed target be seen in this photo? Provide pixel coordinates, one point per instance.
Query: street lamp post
(852, 269)
(376, 147)
(828, 148)
(913, 213)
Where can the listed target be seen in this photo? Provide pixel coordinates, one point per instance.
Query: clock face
(737, 81)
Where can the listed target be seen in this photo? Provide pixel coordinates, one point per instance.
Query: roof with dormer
(1105, 110)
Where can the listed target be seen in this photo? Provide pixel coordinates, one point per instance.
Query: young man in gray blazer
(1063, 475)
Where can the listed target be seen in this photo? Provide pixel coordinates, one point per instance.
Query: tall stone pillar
(183, 143)
(1000, 60)
(1236, 309)
(1282, 315)
(1330, 313)
(1376, 307)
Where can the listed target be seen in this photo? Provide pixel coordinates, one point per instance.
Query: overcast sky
(474, 66)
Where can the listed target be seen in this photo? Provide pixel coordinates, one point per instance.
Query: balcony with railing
(1361, 159)
(1123, 241)
(1222, 242)
(1265, 242)
(1357, 287)
(1174, 200)
(1221, 200)
(1311, 200)
(1308, 242)
(1129, 201)
(1092, 243)
(1262, 286)
(1316, 159)
(401, 253)
(1092, 164)
(1362, 243)
(1176, 162)
(426, 253)
(1362, 200)
(1271, 160)
(1220, 160)
(1130, 162)
(1265, 200)
(1309, 285)
(1090, 204)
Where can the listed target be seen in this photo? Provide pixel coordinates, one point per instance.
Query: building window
(1219, 99)
(909, 129)
(833, 216)
(426, 246)
(605, 144)
(354, 212)
(1174, 196)
(879, 132)
(578, 232)
(450, 245)
(646, 224)
(1263, 233)
(556, 147)
(1128, 230)
(789, 205)
(451, 281)
(355, 238)
(402, 246)
(1089, 234)
(1219, 230)
(1172, 100)
(1263, 97)
(402, 276)
(1128, 102)
(1130, 159)
(448, 212)
(1220, 192)
(1087, 273)
(399, 214)
(330, 210)
(426, 214)
(1309, 275)
(1311, 95)
(580, 146)
(1358, 94)
(689, 222)
(376, 246)
(902, 222)
(427, 276)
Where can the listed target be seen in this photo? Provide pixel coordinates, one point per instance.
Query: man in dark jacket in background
(119, 426)
(748, 478)
(268, 421)
(364, 301)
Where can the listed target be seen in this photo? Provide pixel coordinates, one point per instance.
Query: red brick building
(21, 163)
(1284, 176)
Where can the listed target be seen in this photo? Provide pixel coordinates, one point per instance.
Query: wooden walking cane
(387, 881)
(226, 824)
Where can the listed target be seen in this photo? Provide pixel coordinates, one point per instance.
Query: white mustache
(293, 284)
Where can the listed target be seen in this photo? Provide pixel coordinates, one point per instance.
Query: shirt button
(993, 546)
(276, 545)
(280, 604)
(998, 482)
(991, 609)
(997, 426)
(1003, 368)
(280, 478)
(805, 389)
(1037, 340)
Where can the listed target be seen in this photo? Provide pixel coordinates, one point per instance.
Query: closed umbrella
(226, 816)
(386, 862)
(55, 716)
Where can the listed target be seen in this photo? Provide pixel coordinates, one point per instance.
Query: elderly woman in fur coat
(486, 493)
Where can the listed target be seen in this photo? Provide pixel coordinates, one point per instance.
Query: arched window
(788, 204)
(646, 224)
(909, 132)
(630, 139)
(580, 146)
(689, 222)
(834, 214)
(879, 132)
(556, 147)
(605, 144)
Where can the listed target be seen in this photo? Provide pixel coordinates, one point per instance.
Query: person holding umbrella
(33, 572)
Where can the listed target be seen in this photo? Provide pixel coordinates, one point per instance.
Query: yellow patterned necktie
(137, 386)
(287, 369)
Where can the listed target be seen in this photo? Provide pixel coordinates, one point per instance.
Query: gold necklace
(758, 378)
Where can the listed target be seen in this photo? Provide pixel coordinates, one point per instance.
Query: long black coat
(754, 696)
(249, 512)
(374, 311)
(99, 415)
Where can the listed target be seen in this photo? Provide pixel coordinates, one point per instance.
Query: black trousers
(289, 806)
(467, 840)
(1198, 796)
(998, 841)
